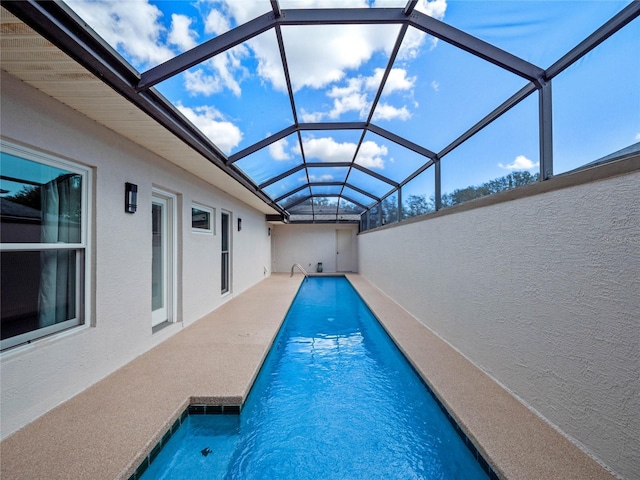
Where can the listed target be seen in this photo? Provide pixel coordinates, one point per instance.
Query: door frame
(167, 313)
(226, 214)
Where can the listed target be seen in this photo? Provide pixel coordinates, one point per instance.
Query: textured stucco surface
(37, 377)
(308, 245)
(540, 292)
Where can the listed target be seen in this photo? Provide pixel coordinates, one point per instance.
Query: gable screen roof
(325, 113)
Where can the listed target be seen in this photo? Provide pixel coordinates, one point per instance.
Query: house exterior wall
(540, 292)
(308, 245)
(41, 375)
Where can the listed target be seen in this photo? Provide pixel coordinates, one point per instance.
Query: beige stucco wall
(310, 244)
(542, 293)
(37, 377)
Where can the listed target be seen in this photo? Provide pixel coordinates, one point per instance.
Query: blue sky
(434, 93)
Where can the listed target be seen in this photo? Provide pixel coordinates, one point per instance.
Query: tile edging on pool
(191, 409)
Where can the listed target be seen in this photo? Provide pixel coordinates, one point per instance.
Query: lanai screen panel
(348, 103)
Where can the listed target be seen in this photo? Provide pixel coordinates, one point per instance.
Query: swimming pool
(335, 398)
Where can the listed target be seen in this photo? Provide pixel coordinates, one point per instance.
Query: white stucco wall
(310, 244)
(543, 294)
(37, 377)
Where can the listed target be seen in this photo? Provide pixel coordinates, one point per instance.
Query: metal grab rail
(306, 275)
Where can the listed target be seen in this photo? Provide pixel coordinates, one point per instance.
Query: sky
(434, 93)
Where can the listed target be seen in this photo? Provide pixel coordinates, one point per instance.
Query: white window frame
(212, 219)
(83, 258)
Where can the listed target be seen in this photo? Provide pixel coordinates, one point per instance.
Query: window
(43, 244)
(202, 219)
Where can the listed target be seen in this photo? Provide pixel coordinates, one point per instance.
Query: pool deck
(106, 431)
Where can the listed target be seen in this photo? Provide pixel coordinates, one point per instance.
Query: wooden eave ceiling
(34, 60)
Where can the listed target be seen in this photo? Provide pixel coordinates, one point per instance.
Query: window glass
(43, 245)
(201, 219)
(40, 203)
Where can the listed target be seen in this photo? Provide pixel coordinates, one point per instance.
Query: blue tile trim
(190, 410)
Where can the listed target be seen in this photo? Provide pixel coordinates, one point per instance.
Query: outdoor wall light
(130, 197)
(239, 224)
(269, 231)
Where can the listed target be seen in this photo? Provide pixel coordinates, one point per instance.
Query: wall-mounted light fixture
(130, 197)
(269, 231)
(239, 224)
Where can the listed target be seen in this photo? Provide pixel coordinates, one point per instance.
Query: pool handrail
(304, 272)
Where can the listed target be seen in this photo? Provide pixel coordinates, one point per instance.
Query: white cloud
(433, 8)
(371, 155)
(216, 23)
(351, 98)
(415, 39)
(267, 53)
(520, 163)
(242, 11)
(132, 27)
(638, 136)
(198, 82)
(320, 55)
(220, 72)
(278, 150)
(326, 149)
(384, 111)
(317, 55)
(398, 81)
(311, 117)
(212, 124)
(354, 96)
(435, 85)
(181, 34)
(322, 178)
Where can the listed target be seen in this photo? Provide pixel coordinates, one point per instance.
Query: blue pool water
(335, 399)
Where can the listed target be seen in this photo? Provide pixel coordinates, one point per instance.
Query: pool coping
(109, 429)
